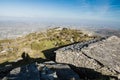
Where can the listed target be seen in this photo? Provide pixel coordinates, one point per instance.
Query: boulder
(101, 55)
(106, 52)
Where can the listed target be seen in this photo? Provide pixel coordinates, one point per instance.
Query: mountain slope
(35, 43)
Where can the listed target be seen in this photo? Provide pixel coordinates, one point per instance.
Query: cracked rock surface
(101, 55)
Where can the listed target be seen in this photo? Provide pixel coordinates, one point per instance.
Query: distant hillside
(34, 44)
(108, 32)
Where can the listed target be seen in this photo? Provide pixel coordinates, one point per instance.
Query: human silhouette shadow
(6, 67)
(25, 56)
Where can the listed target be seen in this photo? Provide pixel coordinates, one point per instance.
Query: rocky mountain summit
(37, 42)
(60, 54)
(18, 56)
(101, 55)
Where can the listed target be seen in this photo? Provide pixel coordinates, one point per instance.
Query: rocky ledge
(101, 55)
(42, 71)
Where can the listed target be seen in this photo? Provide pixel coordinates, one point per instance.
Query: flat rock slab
(42, 71)
(107, 52)
(28, 72)
(63, 71)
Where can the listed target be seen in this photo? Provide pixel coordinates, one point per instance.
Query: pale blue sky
(101, 10)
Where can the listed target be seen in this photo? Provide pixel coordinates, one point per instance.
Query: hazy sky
(107, 10)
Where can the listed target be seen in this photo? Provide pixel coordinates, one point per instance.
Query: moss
(42, 45)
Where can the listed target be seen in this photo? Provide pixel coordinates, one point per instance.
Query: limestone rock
(107, 52)
(63, 71)
(42, 71)
(28, 72)
(102, 55)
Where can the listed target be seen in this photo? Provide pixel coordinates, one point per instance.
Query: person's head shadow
(25, 56)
